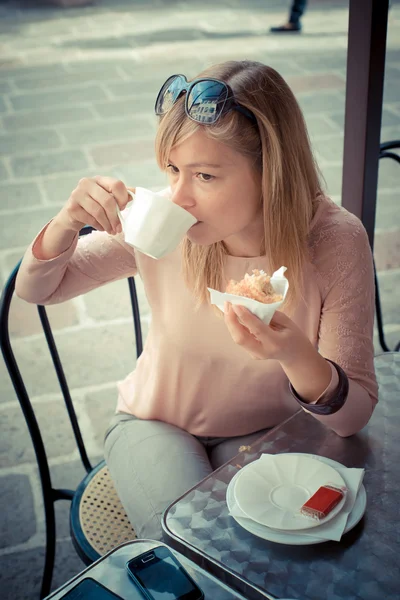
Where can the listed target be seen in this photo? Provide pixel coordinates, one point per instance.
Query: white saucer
(272, 490)
(290, 538)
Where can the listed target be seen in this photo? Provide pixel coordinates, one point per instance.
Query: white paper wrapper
(265, 312)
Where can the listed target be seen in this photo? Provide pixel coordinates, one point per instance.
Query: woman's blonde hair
(280, 149)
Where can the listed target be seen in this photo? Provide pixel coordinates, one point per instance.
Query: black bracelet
(336, 399)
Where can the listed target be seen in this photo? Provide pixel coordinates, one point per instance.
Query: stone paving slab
(17, 195)
(31, 141)
(4, 174)
(34, 119)
(77, 90)
(45, 163)
(17, 504)
(115, 295)
(18, 566)
(387, 210)
(387, 249)
(100, 407)
(14, 446)
(122, 152)
(24, 320)
(122, 129)
(134, 104)
(85, 351)
(19, 228)
(65, 79)
(70, 95)
(389, 281)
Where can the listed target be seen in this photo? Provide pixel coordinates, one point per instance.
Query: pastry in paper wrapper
(260, 294)
(257, 286)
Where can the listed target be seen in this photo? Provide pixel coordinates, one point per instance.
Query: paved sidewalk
(77, 89)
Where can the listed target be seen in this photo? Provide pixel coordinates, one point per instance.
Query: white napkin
(265, 312)
(333, 529)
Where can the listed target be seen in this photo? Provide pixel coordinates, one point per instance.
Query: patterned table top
(364, 565)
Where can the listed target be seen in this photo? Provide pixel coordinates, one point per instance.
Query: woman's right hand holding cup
(94, 202)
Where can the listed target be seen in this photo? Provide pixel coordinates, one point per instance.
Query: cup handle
(119, 213)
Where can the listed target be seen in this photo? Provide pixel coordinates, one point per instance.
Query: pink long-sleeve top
(191, 373)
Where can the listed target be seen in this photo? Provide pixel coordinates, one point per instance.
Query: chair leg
(50, 548)
(378, 311)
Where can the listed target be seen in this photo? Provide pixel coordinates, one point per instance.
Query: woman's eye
(205, 176)
(172, 168)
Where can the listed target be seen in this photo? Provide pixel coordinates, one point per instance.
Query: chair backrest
(385, 148)
(17, 380)
(385, 152)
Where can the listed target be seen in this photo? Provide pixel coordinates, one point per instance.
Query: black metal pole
(364, 96)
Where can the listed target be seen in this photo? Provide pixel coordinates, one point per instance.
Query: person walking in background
(296, 12)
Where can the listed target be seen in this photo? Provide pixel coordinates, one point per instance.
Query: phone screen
(164, 578)
(89, 589)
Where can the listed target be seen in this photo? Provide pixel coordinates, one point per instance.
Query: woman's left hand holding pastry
(281, 340)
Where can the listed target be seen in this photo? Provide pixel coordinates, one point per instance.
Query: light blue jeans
(153, 463)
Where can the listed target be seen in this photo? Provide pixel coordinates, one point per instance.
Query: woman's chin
(195, 233)
(198, 234)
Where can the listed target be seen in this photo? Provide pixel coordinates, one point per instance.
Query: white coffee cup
(153, 224)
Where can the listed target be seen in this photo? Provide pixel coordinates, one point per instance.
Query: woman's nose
(181, 195)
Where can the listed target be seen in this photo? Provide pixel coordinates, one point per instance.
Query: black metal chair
(385, 152)
(98, 522)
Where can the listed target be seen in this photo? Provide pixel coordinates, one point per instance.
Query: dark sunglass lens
(169, 94)
(206, 101)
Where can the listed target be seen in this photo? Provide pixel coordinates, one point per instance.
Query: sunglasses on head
(205, 101)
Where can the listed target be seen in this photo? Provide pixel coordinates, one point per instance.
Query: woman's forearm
(309, 373)
(55, 240)
(38, 279)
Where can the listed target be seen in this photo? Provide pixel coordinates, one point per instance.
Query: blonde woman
(235, 147)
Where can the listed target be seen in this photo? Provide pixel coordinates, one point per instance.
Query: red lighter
(322, 502)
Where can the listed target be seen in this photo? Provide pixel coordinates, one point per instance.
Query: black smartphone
(160, 576)
(89, 589)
